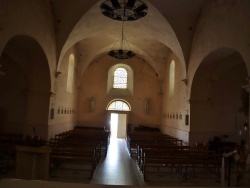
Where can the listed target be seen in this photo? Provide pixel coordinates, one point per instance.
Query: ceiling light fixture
(124, 10)
(121, 53)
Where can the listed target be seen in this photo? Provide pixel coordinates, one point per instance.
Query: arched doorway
(216, 97)
(118, 111)
(25, 87)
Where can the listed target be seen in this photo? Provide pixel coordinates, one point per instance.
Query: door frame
(108, 117)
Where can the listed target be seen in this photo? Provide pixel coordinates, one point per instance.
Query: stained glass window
(120, 78)
(119, 105)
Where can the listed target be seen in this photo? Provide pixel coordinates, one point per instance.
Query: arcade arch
(24, 102)
(216, 102)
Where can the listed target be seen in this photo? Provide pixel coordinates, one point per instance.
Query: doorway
(118, 125)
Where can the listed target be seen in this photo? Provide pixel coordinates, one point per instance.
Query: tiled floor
(117, 168)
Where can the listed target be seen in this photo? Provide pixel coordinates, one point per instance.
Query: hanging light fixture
(122, 50)
(124, 10)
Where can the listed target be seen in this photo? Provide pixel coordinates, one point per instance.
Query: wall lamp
(185, 81)
(52, 94)
(57, 74)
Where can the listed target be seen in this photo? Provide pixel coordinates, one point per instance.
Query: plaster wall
(216, 99)
(11, 97)
(174, 107)
(221, 24)
(94, 84)
(63, 102)
(25, 87)
(31, 18)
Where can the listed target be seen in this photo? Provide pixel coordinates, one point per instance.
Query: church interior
(172, 72)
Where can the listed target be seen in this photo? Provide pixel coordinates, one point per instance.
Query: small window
(171, 78)
(70, 79)
(119, 105)
(120, 78)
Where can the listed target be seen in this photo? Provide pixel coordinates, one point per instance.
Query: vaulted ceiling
(168, 27)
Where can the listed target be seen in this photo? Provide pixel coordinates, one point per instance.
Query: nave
(118, 168)
(117, 164)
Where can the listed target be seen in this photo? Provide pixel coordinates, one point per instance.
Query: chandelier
(124, 10)
(121, 53)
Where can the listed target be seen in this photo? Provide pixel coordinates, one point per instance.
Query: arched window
(120, 78)
(119, 105)
(171, 78)
(71, 68)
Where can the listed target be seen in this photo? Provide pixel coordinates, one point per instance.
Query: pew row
(78, 150)
(184, 162)
(155, 138)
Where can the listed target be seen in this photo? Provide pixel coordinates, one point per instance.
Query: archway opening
(25, 87)
(216, 97)
(118, 116)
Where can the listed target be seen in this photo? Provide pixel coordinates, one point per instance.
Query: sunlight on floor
(113, 125)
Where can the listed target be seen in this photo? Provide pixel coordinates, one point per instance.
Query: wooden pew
(79, 146)
(185, 162)
(54, 143)
(172, 162)
(68, 152)
(135, 138)
(163, 148)
(151, 140)
(88, 136)
(81, 156)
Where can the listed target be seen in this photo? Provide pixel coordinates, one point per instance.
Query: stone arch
(216, 96)
(25, 87)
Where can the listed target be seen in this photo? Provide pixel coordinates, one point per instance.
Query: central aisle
(117, 168)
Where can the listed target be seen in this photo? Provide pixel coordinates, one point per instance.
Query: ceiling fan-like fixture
(121, 46)
(121, 54)
(124, 10)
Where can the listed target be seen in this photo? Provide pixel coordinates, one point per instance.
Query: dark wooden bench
(54, 143)
(87, 136)
(164, 147)
(133, 143)
(79, 146)
(184, 162)
(82, 157)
